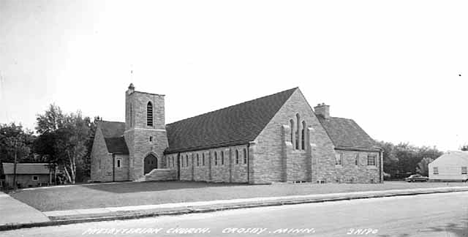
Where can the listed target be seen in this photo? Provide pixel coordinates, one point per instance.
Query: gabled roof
(234, 125)
(347, 134)
(112, 129)
(116, 145)
(452, 156)
(113, 136)
(26, 168)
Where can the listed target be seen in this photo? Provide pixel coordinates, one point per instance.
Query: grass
(130, 194)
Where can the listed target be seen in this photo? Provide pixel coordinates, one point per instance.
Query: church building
(276, 138)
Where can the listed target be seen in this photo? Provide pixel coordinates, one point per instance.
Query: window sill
(371, 167)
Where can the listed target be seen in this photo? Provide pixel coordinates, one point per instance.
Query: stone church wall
(121, 173)
(101, 159)
(211, 167)
(143, 140)
(357, 172)
(275, 160)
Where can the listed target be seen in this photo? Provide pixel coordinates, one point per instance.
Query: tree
(51, 120)
(464, 147)
(403, 159)
(14, 138)
(71, 144)
(390, 161)
(15, 145)
(423, 167)
(65, 141)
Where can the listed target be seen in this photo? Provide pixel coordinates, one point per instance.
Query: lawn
(146, 193)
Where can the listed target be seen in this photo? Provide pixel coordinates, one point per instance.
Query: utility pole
(14, 167)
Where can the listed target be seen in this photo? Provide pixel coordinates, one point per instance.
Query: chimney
(322, 110)
(131, 89)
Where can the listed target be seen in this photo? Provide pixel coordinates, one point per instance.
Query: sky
(398, 68)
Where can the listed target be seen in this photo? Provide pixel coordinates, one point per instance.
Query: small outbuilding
(27, 174)
(451, 166)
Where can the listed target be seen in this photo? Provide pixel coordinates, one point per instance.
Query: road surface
(421, 215)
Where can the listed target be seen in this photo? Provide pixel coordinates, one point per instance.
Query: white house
(451, 166)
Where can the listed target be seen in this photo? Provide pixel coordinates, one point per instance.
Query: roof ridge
(241, 103)
(107, 121)
(239, 123)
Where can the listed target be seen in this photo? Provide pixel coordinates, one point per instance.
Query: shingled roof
(234, 125)
(113, 135)
(347, 134)
(26, 168)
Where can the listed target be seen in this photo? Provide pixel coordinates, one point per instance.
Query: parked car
(416, 178)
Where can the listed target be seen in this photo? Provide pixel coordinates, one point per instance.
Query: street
(421, 215)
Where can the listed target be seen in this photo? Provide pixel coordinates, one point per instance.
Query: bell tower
(145, 131)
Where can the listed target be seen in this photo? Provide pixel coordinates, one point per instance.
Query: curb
(128, 215)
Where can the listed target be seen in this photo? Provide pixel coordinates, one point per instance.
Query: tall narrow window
(237, 157)
(371, 160)
(131, 116)
(222, 157)
(203, 159)
(186, 160)
(216, 158)
(298, 130)
(292, 133)
(356, 159)
(339, 159)
(198, 160)
(303, 135)
(149, 114)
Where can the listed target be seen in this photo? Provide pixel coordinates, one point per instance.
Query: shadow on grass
(459, 229)
(130, 187)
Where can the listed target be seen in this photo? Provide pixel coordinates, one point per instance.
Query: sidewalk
(14, 212)
(19, 211)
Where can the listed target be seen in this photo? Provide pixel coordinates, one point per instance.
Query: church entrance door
(150, 163)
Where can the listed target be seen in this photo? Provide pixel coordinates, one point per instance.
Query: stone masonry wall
(360, 172)
(101, 159)
(273, 144)
(143, 140)
(121, 173)
(214, 165)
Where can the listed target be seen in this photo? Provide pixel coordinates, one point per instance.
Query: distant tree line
(404, 159)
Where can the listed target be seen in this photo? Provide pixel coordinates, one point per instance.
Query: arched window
(298, 130)
(292, 132)
(237, 157)
(303, 135)
(149, 114)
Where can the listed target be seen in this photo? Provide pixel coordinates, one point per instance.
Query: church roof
(347, 134)
(112, 129)
(116, 145)
(233, 125)
(113, 136)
